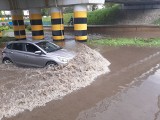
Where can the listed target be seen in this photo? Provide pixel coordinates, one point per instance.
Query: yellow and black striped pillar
(57, 24)
(80, 22)
(36, 24)
(18, 24)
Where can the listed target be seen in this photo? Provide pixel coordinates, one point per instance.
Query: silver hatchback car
(35, 53)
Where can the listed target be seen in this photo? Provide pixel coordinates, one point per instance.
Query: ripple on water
(140, 100)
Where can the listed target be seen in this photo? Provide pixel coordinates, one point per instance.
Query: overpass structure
(135, 1)
(34, 7)
(138, 4)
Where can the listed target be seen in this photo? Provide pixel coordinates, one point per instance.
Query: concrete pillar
(18, 24)
(57, 24)
(80, 22)
(36, 24)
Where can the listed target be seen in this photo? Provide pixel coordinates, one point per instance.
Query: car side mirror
(38, 52)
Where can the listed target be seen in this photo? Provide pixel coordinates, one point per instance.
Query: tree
(68, 10)
(45, 11)
(109, 5)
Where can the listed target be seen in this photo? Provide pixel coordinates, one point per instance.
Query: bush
(28, 28)
(67, 17)
(26, 24)
(99, 17)
(104, 16)
(2, 28)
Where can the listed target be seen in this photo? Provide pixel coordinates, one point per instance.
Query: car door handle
(11, 52)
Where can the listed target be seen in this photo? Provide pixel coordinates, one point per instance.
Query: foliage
(157, 22)
(68, 10)
(109, 5)
(28, 27)
(104, 16)
(99, 17)
(127, 42)
(2, 28)
(67, 17)
(45, 11)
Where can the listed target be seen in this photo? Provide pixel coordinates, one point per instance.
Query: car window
(47, 46)
(9, 46)
(31, 48)
(18, 46)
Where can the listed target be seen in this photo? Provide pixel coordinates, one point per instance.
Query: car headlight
(63, 59)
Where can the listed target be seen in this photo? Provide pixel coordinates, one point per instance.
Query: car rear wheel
(7, 61)
(51, 64)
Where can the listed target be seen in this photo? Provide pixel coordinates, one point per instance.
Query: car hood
(62, 53)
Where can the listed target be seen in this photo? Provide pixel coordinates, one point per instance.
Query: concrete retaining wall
(129, 31)
(118, 28)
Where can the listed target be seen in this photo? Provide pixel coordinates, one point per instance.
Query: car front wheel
(51, 64)
(7, 61)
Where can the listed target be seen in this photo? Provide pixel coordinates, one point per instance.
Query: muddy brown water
(130, 91)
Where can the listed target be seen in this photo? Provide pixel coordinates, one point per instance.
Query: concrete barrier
(103, 29)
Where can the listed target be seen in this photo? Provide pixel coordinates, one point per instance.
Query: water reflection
(60, 43)
(137, 101)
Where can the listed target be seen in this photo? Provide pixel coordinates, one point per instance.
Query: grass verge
(152, 42)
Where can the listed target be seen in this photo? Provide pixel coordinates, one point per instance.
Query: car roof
(28, 41)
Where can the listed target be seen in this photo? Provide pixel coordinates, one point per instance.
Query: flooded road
(131, 90)
(138, 100)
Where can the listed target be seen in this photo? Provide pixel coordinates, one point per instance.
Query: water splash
(35, 87)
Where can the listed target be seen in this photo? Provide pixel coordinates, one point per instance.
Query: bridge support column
(57, 24)
(36, 24)
(80, 22)
(18, 24)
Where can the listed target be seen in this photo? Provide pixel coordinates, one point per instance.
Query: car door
(17, 53)
(33, 59)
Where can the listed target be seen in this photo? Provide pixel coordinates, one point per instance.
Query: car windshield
(48, 47)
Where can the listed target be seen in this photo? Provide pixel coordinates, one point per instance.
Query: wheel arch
(51, 61)
(6, 58)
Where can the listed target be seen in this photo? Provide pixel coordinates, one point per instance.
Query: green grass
(155, 42)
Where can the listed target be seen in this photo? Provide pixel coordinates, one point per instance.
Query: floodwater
(131, 90)
(139, 100)
(27, 88)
